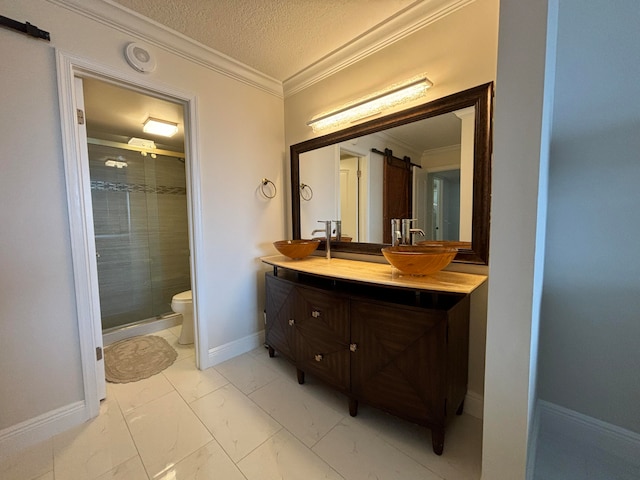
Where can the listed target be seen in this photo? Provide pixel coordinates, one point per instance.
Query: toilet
(183, 303)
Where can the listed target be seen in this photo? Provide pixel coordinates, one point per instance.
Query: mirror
(326, 186)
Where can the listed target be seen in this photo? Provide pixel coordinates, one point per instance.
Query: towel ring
(265, 182)
(306, 196)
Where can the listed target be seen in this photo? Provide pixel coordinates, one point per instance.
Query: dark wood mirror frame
(480, 97)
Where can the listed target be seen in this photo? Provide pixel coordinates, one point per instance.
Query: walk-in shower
(141, 232)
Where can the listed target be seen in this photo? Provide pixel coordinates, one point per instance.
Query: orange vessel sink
(296, 249)
(419, 259)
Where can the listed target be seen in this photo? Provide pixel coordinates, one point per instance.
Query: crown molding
(387, 137)
(393, 30)
(150, 32)
(120, 18)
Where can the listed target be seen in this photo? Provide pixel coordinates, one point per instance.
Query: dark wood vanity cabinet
(310, 327)
(402, 351)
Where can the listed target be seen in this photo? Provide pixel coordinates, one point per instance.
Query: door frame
(364, 187)
(81, 215)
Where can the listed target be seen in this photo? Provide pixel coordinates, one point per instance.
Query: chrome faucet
(327, 234)
(415, 231)
(402, 233)
(396, 233)
(406, 230)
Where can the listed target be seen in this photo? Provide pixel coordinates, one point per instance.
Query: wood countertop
(378, 273)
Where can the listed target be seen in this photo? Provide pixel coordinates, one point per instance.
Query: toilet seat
(183, 303)
(182, 297)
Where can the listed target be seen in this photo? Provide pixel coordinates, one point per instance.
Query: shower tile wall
(141, 233)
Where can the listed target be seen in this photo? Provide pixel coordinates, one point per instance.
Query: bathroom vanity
(399, 343)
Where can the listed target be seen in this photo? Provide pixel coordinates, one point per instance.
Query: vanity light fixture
(373, 104)
(159, 127)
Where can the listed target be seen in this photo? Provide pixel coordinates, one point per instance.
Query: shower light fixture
(373, 104)
(142, 143)
(160, 127)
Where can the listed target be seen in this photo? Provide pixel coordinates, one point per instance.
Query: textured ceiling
(279, 38)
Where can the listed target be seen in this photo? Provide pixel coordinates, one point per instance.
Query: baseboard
(532, 447)
(595, 435)
(474, 404)
(237, 347)
(38, 429)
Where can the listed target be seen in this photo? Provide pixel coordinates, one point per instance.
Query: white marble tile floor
(245, 419)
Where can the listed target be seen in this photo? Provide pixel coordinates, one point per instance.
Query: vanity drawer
(322, 315)
(324, 358)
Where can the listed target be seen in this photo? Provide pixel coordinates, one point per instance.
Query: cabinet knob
(291, 322)
(319, 357)
(353, 347)
(315, 313)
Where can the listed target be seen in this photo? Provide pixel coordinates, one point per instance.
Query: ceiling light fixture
(373, 104)
(159, 127)
(142, 143)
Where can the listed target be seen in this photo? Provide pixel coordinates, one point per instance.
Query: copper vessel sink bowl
(296, 249)
(419, 259)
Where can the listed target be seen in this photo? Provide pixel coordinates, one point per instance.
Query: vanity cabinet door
(322, 335)
(280, 332)
(399, 363)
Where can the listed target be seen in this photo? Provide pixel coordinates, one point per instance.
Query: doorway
(443, 205)
(139, 206)
(71, 73)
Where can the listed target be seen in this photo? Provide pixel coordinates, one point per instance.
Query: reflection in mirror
(353, 191)
(442, 147)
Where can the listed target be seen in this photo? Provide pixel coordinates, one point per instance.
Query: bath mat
(137, 358)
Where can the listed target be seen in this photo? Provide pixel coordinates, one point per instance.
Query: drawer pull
(315, 314)
(319, 357)
(291, 322)
(353, 347)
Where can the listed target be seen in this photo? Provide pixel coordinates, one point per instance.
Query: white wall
(590, 333)
(518, 209)
(240, 134)
(39, 350)
(322, 205)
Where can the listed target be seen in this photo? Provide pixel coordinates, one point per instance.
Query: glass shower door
(141, 233)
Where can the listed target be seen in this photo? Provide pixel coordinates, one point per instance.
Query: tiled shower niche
(141, 233)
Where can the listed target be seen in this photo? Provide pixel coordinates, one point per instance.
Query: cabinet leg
(353, 407)
(437, 440)
(460, 408)
(300, 374)
(272, 352)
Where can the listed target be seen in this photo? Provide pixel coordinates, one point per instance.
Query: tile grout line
(124, 419)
